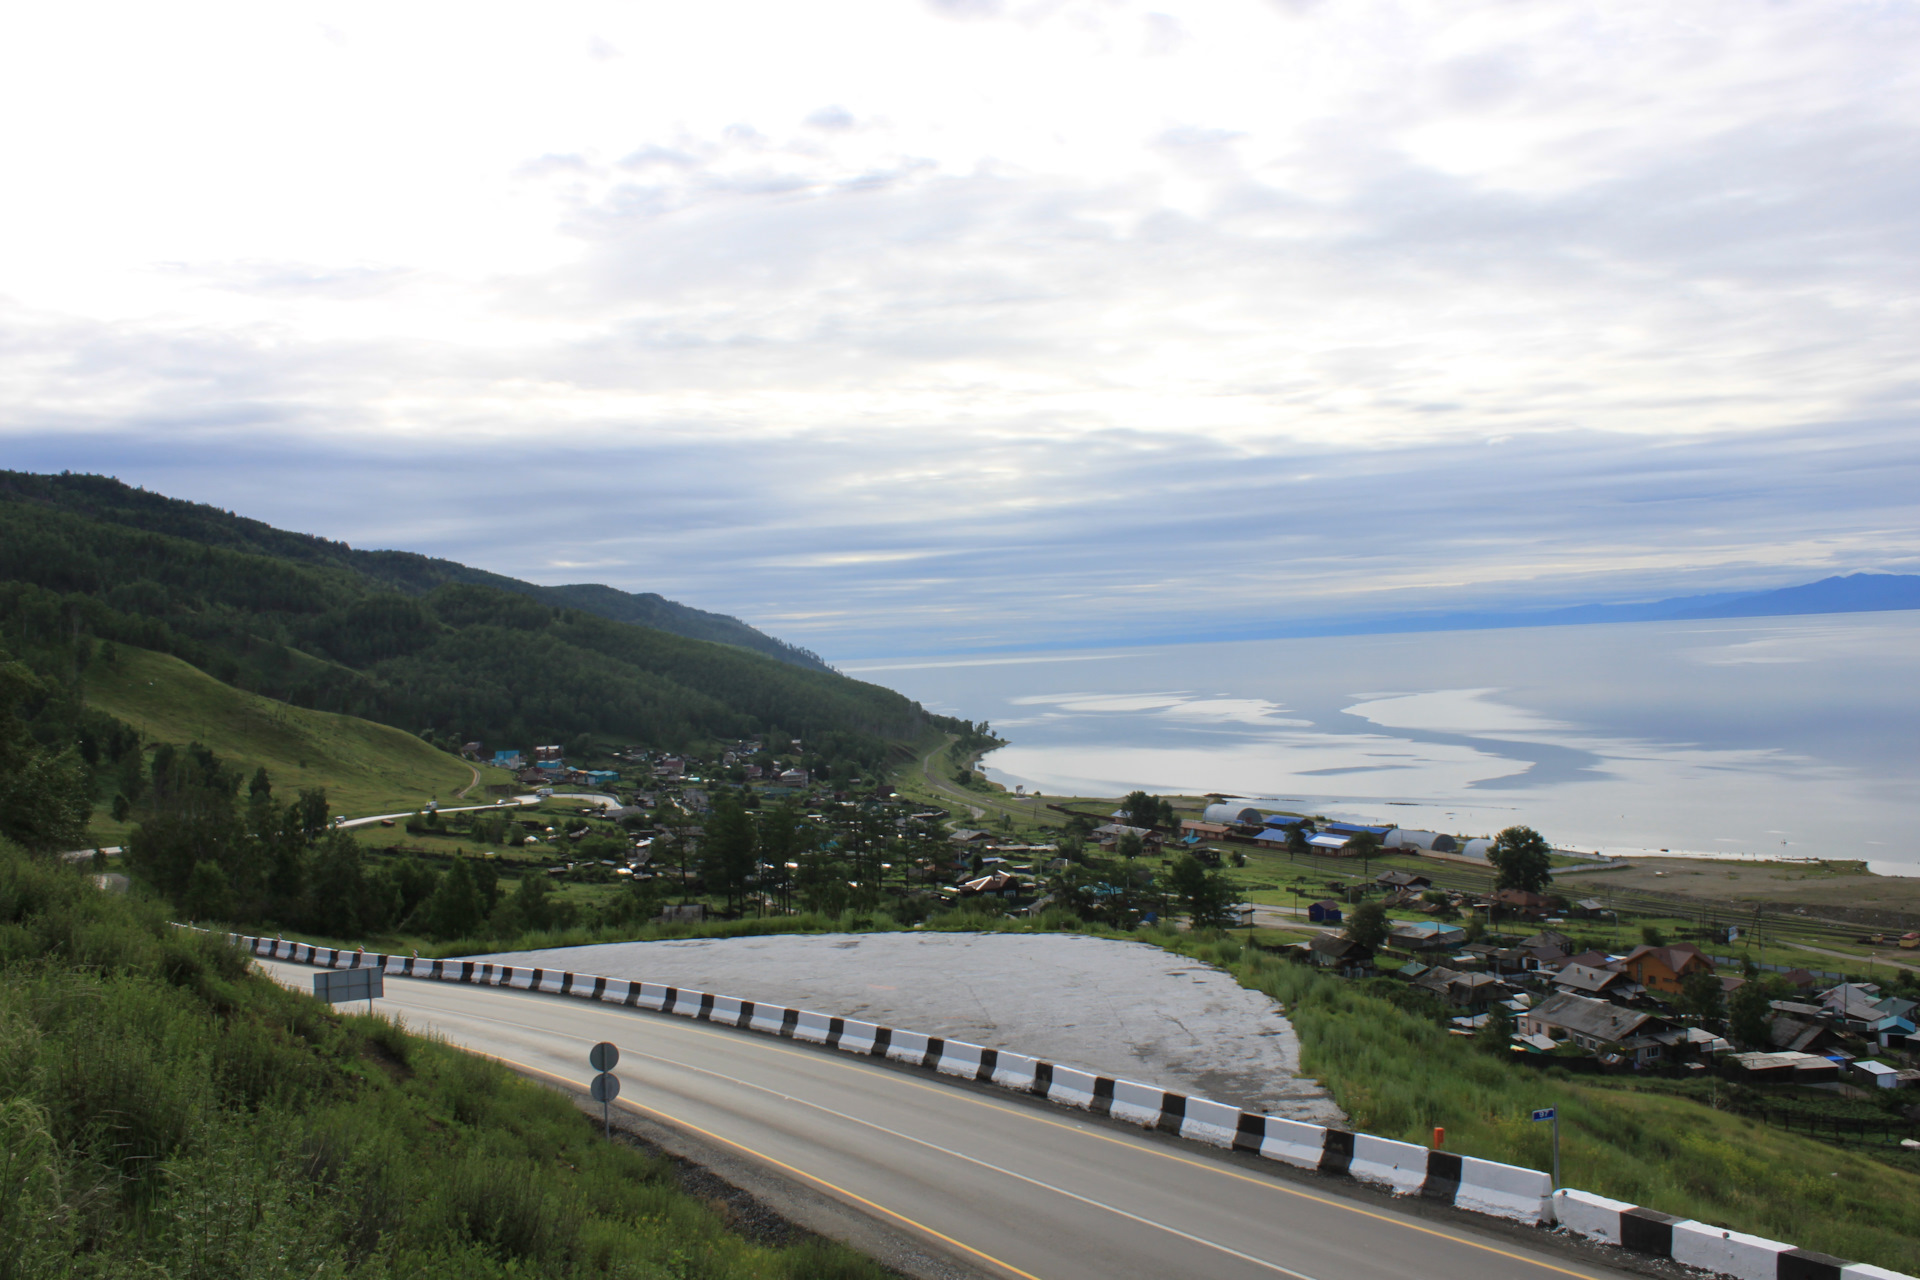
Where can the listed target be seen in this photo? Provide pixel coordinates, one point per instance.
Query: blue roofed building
(1358, 829)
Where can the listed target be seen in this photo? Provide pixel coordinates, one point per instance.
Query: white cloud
(970, 317)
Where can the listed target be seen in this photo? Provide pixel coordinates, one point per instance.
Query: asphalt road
(1009, 1186)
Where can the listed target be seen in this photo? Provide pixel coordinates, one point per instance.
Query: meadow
(365, 767)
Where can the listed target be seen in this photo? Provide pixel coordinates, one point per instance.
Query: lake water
(1768, 737)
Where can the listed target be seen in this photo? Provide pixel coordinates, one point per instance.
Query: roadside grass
(165, 1110)
(365, 767)
(1399, 1076)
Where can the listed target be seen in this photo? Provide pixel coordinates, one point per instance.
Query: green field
(365, 767)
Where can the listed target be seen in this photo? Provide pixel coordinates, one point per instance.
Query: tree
(1523, 859)
(1751, 1014)
(1651, 936)
(455, 910)
(207, 896)
(1703, 998)
(1142, 810)
(1366, 844)
(1128, 846)
(727, 849)
(46, 796)
(338, 888)
(1296, 841)
(1204, 895)
(1369, 926)
(1496, 1033)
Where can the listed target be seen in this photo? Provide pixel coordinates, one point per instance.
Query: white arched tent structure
(1234, 814)
(1426, 841)
(1477, 849)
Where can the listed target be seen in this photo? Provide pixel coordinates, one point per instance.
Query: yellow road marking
(677, 1123)
(1134, 1145)
(759, 1041)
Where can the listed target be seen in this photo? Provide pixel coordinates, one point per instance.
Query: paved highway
(1011, 1186)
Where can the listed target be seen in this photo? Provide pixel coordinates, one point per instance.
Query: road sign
(1553, 1114)
(336, 986)
(605, 1087)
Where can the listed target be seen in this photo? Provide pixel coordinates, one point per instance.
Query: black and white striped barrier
(1696, 1244)
(1481, 1186)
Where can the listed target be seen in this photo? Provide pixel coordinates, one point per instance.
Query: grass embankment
(166, 1111)
(1398, 1075)
(365, 767)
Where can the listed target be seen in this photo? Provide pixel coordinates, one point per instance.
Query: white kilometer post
(603, 1057)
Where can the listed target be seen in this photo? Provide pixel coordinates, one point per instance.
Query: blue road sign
(1547, 1114)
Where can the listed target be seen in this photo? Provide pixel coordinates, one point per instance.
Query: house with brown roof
(1663, 968)
(1345, 956)
(1521, 903)
(1586, 980)
(1596, 1024)
(1462, 990)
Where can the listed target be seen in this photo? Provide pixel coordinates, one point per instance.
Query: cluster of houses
(1595, 1004)
(1328, 839)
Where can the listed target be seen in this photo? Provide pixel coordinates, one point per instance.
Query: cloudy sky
(944, 324)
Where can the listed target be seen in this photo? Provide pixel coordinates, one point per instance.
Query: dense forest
(402, 572)
(425, 645)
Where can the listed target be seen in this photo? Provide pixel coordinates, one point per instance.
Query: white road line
(946, 1151)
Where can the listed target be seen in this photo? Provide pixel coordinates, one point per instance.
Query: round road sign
(603, 1057)
(605, 1087)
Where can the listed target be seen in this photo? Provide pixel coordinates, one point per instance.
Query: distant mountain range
(1851, 593)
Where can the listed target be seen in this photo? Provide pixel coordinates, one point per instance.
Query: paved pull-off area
(1116, 1008)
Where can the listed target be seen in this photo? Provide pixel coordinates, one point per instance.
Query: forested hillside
(408, 646)
(404, 572)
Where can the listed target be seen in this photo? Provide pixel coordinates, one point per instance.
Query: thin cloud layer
(964, 325)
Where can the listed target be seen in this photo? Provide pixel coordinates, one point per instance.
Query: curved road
(1008, 1186)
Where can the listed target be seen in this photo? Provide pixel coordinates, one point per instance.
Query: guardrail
(1404, 1168)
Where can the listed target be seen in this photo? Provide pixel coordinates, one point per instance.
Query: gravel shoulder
(1124, 1009)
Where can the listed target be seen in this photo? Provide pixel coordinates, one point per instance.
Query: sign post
(1553, 1114)
(603, 1058)
(336, 986)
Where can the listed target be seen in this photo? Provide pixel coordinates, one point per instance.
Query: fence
(1731, 962)
(1889, 1131)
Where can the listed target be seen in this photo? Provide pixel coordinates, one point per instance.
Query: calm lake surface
(1777, 736)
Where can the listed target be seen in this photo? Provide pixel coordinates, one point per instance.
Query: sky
(940, 325)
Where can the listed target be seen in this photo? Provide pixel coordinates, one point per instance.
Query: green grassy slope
(167, 1111)
(365, 767)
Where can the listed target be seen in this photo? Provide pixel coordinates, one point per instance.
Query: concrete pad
(1122, 1009)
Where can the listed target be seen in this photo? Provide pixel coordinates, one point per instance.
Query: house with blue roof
(1358, 829)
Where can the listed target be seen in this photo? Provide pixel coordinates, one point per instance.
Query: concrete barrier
(1477, 1186)
(1702, 1245)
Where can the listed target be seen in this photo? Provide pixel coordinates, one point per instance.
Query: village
(1545, 973)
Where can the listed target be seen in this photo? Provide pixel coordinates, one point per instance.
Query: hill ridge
(113, 501)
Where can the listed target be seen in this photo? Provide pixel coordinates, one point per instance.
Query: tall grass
(1399, 1075)
(165, 1112)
